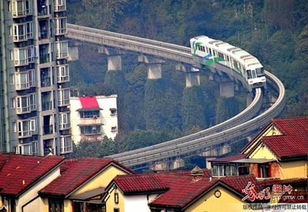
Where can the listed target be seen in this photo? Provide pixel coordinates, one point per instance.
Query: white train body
(210, 51)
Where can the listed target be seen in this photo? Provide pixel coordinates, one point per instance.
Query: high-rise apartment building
(34, 77)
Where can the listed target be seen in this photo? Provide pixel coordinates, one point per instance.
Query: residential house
(278, 151)
(81, 184)
(176, 191)
(22, 177)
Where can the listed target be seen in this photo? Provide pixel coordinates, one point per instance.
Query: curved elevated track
(239, 126)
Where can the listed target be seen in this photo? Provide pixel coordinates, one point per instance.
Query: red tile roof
(297, 126)
(292, 126)
(177, 191)
(139, 183)
(19, 172)
(75, 172)
(89, 102)
(229, 158)
(184, 190)
(287, 146)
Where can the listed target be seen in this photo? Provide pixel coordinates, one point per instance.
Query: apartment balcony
(62, 79)
(63, 102)
(20, 9)
(92, 137)
(25, 134)
(26, 109)
(91, 121)
(60, 31)
(60, 7)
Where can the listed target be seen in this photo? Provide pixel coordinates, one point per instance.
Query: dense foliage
(276, 31)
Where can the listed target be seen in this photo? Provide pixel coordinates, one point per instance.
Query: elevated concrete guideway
(237, 127)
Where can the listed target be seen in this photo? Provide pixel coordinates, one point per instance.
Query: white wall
(37, 204)
(138, 202)
(107, 102)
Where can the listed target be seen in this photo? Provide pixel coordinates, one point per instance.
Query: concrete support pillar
(178, 163)
(154, 70)
(114, 58)
(226, 88)
(114, 63)
(192, 79)
(154, 66)
(225, 149)
(180, 67)
(73, 53)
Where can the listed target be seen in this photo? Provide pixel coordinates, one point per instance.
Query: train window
(260, 72)
(201, 48)
(207, 50)
(220, 55)
(227, 57)
(211, 51)
(249, 75)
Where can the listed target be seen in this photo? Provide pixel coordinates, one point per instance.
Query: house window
(55, 205)
(116, 198)
(264, 171)
(243, 170)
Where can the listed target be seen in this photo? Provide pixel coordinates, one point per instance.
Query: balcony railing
(63, 102)
(59, 8)
(22, 110)
(63, 79)
(24, 134)
(91, 121)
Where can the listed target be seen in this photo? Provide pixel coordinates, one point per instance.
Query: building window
(89, 114)
(63, 73)
(264, 170)
(243, 170)
(24, 80)
(56, 205)
(64, 96)
(61, 49)
(66, 144)
(60, 26)
(90, 129)
(113, 111)
(116, 198)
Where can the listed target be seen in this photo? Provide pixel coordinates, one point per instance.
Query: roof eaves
(96, 174)
(259, 134)
(41, 177)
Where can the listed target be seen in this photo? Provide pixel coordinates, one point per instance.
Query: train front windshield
(260, 72)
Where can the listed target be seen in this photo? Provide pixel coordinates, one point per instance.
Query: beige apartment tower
(34, 78)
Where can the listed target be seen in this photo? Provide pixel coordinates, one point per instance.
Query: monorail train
(210, 51)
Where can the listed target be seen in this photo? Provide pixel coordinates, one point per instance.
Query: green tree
(193, 108)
